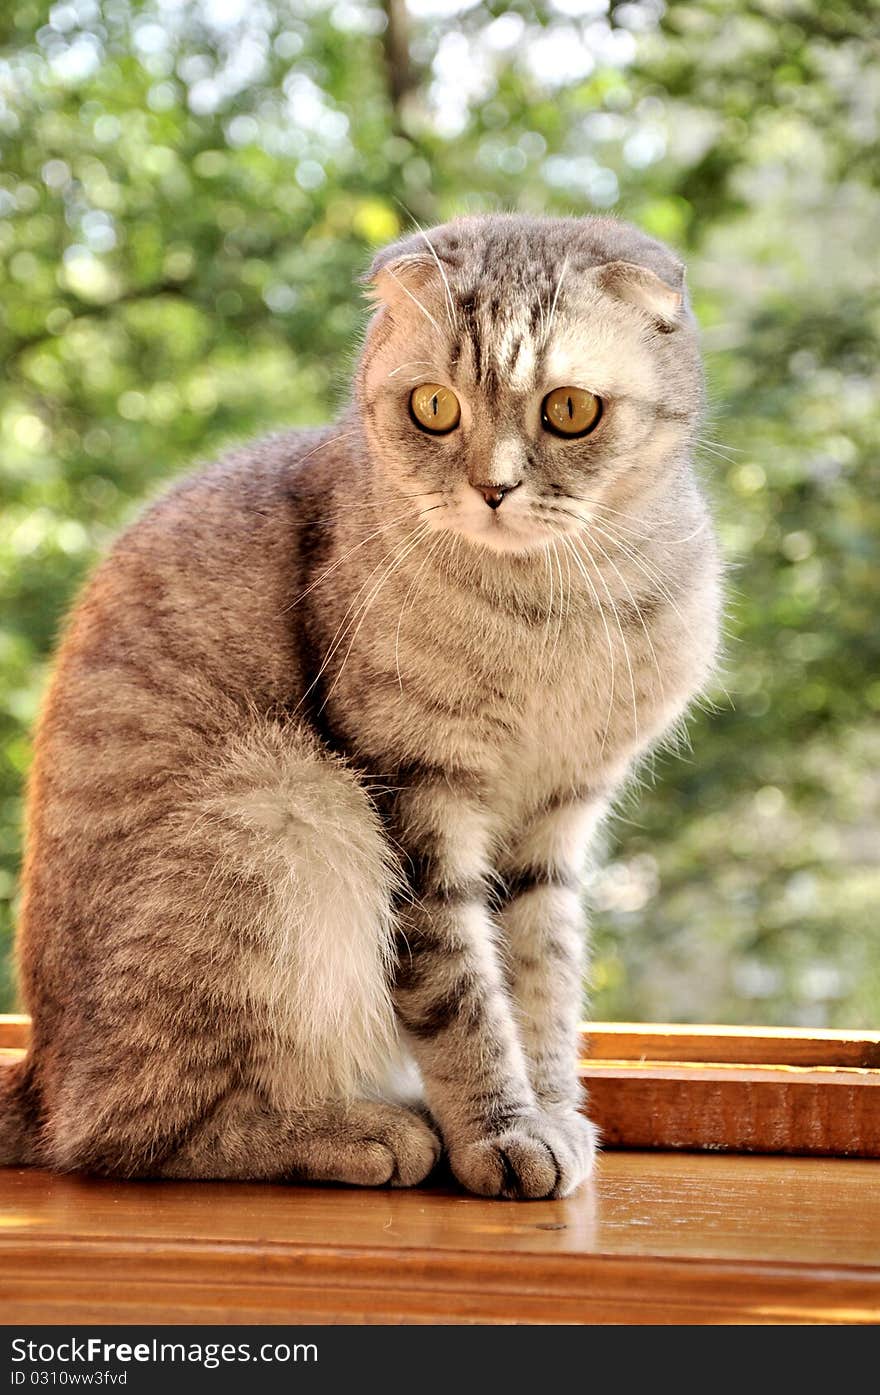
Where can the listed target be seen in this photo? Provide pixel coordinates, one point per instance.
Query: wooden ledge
(647, 1041)
(672, 1237)
(656, 1238)
(740, 1089)
(762, 1046)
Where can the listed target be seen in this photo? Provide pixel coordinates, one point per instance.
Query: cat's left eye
(571, 411)
(435, 408)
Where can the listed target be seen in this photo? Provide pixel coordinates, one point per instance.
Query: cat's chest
(530, 722)
(533, 713)
(563, 738)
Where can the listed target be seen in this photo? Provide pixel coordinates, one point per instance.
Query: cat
(333, 726)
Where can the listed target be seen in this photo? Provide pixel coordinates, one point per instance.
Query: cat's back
(198, 594)
(184, 631)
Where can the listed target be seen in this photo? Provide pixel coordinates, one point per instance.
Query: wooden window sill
(656, 1237)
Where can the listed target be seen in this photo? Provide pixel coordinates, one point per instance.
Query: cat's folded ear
(399, 271)
(639, 286)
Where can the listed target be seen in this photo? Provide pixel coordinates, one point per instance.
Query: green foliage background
(187, 193)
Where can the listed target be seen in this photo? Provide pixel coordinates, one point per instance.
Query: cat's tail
(17, 1135)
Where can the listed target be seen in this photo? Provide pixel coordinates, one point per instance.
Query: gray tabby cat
(332, 728)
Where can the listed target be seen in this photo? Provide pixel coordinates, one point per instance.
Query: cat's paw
(581, 1136)
(537, 1158)
(376, 1145)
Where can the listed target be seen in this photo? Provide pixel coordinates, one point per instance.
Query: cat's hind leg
(366, 1143)
(228, 1013)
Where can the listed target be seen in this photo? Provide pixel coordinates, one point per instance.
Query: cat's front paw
(581, 1136)
(534, 1159)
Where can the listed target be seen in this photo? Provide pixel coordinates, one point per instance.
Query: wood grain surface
(825, 1111)
(656, 1238)
(14, 1030)
(765, 1046)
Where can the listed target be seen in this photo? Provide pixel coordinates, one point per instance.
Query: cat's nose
(494, 494)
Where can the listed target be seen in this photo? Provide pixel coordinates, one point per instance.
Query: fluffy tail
(300, 823)
(16, 1134)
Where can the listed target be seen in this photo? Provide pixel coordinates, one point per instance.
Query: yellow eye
(570, 411)
(435, 408)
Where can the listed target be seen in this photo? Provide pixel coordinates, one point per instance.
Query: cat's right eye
(435, 408)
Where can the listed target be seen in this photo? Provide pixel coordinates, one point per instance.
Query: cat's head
(521, 371)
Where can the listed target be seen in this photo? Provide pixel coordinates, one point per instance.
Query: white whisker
(324, 444)
(400, 557)
(425, 560)
(595, 507)
(413, 363)
(384, 528)
(352, 610)
(632, 681)
(635, 605)
(549, 603)
(556, 297)
(562, 611)
(414, 298)
(650, 572)
(720, 448)
(569, 545)
(453, 320)
(603, 509)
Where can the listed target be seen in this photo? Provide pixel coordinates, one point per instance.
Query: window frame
(711, 1088)
(734, 1089)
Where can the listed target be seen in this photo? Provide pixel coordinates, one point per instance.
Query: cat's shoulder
(269, 466)
(245, 489)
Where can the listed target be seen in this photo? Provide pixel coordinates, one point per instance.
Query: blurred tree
(188, 190)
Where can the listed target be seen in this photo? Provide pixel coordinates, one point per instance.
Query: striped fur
(328, 739)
